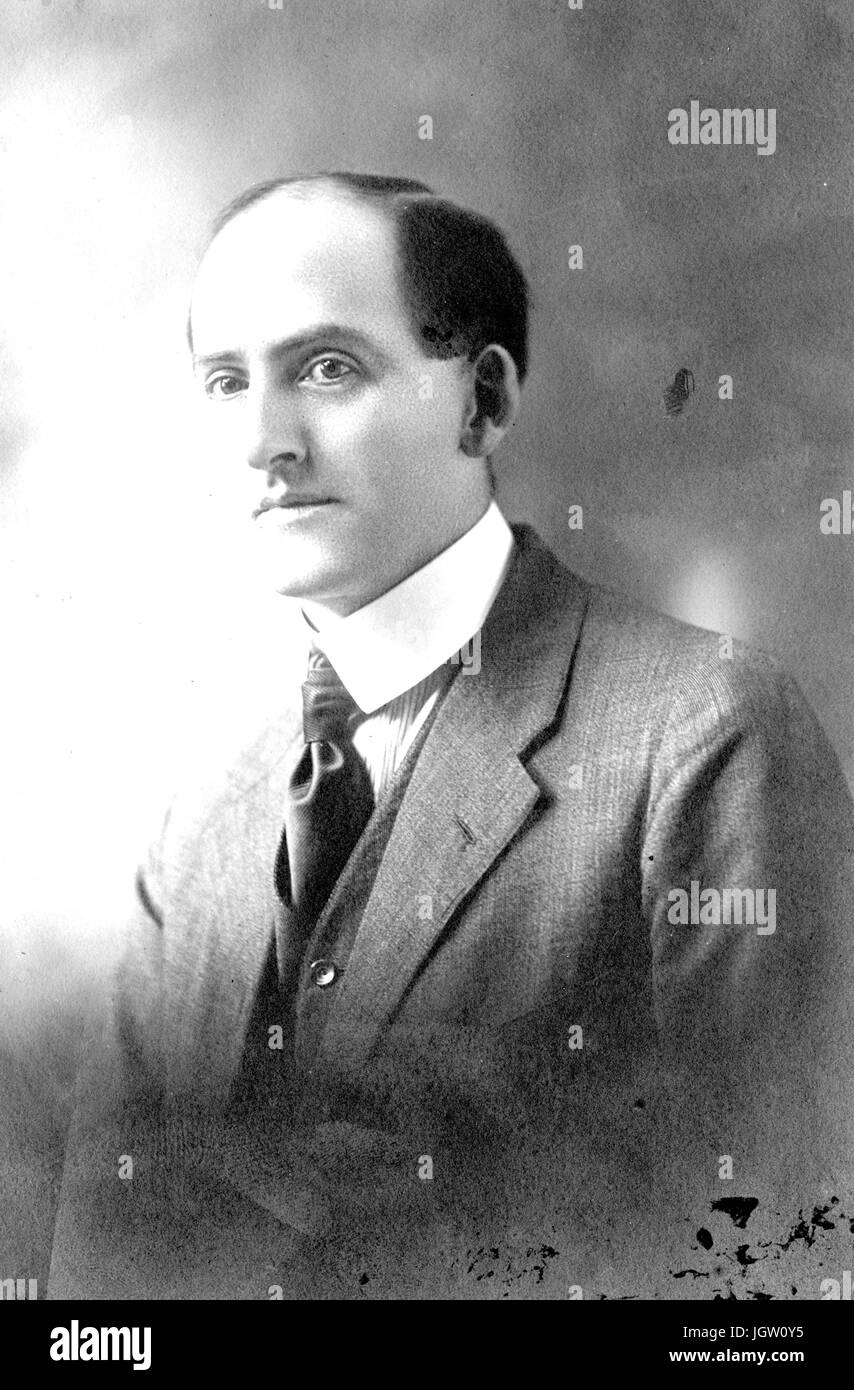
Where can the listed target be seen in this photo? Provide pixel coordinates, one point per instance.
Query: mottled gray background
(124, 124)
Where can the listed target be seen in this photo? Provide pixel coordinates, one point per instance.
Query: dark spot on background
(739, 1209)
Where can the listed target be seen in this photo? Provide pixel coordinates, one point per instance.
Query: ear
(493, 401)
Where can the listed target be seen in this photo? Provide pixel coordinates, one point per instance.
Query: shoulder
(642, 682)
(647, 679)
(680, 663)
(652, 657)
(694, 698)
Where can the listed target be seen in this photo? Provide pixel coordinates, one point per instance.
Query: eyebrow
(286, 346)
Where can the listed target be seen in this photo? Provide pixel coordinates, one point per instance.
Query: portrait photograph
(427, 740)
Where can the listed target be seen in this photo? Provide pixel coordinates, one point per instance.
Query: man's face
(318, 388)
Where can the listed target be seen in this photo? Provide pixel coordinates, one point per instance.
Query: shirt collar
(392, 643)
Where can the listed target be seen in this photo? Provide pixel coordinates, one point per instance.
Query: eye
(328, 371)
(222, 385)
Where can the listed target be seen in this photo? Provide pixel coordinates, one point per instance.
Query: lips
(292, 500)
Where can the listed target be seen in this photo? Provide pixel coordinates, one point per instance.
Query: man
(520, 937)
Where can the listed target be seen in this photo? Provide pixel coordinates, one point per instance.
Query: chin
(289, 570)
(300, 584)
(299, 572)
(292, 585)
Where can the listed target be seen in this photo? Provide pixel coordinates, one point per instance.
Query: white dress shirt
(391, 653)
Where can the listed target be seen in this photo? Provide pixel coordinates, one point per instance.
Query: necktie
(330, 797)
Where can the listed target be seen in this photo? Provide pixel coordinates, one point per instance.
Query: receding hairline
(306, 187)
(320, 187)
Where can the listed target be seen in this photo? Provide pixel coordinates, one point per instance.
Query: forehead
(289, 262)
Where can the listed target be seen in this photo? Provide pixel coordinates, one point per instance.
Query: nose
(275, 437)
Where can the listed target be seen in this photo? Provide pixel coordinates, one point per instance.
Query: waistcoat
(290, 1013)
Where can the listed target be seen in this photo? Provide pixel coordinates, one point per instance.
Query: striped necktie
(330, 797)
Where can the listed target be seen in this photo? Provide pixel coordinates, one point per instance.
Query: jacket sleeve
(118, 1098)
(749, 814)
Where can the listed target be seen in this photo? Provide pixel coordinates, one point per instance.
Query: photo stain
(676, 397)
(732, 1268)
(740, 1209)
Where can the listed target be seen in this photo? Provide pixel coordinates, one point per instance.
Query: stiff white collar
(398, 639)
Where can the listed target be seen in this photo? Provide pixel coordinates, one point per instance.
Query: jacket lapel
(219, 960)
(469, 794)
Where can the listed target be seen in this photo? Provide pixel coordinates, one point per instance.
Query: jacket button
(323, 973)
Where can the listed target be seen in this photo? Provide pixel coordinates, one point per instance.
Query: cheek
(379, 425)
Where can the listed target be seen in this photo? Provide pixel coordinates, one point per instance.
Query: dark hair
(460, 280)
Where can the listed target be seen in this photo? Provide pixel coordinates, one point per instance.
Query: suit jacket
(533, 1074)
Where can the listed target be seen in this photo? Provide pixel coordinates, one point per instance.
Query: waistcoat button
(323, 973)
